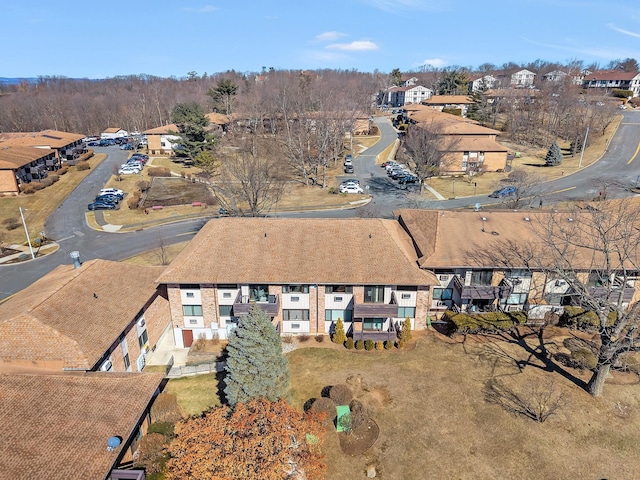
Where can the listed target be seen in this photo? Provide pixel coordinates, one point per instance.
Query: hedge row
(581, 319)
(482, 322)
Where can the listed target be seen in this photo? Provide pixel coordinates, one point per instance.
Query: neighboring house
(408, 81)
(450, 102)
(162, 140)
(477, 82)
(20, 165)
(466, 146)
(613, 79)
(66, 146)
(304, 273)
(114, 132)
(102, 315)
(411, 94)
(468, 279)
(522, 78)
(555, 76)
(57, 426)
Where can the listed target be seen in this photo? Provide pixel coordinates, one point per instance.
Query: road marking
(183, 234)
(65, 238)
(563, 190)
(634, 155)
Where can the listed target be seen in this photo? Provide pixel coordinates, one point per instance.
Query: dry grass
(195, 394)
(531, 160)
(434, 421)
(41, 204)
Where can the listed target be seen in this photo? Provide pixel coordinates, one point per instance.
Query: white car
(351, 188)
(111, 191)
(128, 171)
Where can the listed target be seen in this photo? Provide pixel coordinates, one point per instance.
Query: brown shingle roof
(447, 100)
(15, 156)
(72, 315)
(280, 251)
(446, 123)
(465, 143)
(57, 426)
(610, 75)
(214, 119)
(46, 138)
(112, 130)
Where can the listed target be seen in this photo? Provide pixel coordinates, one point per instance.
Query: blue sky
(77, 38)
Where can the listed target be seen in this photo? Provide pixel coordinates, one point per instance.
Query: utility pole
(27, 234)
(584, 144)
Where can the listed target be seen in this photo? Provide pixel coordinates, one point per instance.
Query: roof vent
(75, 256)
(113, 443)
(527, 219)
(569, 219)
(484, 219)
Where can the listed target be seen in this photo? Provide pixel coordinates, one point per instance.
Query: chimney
(75, 256)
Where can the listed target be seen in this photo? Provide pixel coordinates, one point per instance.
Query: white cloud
(604, 52)
(205, 9)
(330, 36)
(434, 62)
(357, 46)
(620, 30)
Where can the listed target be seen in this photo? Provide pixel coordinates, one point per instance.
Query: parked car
(350, 181)
(112, 191)
(504, 192)
(128, 170)
(348, 169)
(108, 199)
(93, 144)
(126, 146)
(351, 188)
(348, 160)
(101, 206)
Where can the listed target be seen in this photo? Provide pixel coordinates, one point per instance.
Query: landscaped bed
(169, 191)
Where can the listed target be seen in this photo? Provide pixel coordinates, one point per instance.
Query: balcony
(270, 305)
(481, 292)
(616, 294)
(375, 310)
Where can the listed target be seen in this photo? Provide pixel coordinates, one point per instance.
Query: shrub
(164, 428)
(338, 336)
(63, 170)
(405, 332)
(133, 201)
(47, 182)
(332, 190)
(369, 345)
(150, 452)
(359, 344)
(54, 178)
(325, 405)
(37, 185)
(388, 344)
(358, 413)
(400, 344)
(11, 223)
(482, 322)
(319, 338)
(83, 166)
(304, 337)
(619, 93)
(143, 185)
(379, 345)
(341, 394)
(349, 343)
(287, 339)
(166, 409)
(28, 188)
(578, 318)
(159, 172)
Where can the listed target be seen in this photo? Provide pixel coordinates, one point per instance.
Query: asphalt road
(67, 225)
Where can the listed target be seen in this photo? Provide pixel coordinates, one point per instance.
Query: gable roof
(70, 317)
(15, 156)
(46, 138)
(57, 426)
(610, 75)
(214, 119)
(113, 130)
(281, 251)
(448, 100)
(445, 123)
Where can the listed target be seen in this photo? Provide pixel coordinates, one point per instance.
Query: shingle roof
(72, 316)
(448, 100)
(49, 138)
(610, 75)
(56, 427)
(15, 156)
(446, 123)
(214, 119)
(280, 251)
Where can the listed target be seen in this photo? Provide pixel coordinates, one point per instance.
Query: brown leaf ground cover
(435, 423)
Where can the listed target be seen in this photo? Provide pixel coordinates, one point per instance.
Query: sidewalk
(24, 254)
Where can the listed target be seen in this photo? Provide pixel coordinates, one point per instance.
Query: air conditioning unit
(141, 323)
(440, 303)
(560, 283)
(106, 366)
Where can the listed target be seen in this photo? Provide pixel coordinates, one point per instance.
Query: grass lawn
(195, 394)
(435, 423)
(39, 205)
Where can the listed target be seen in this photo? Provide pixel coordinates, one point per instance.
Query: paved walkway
(165, 349)
(24, 254)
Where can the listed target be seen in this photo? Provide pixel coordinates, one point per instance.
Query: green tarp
(341, 411)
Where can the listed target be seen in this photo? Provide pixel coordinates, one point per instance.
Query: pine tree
(255, 366)
(338, 336)
(405, 332)
(554, 155)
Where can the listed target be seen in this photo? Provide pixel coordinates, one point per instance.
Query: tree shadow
(538, 355)
(220, 377)
(325, 391)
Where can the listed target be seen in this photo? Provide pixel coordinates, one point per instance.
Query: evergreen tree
(405, 332)
(554, 155)
(339, 336)
(479, 110)
(396, 77)
(192, 126)
(222, 95)
(255, 366)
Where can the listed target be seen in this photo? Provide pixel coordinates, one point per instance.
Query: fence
(188, 370)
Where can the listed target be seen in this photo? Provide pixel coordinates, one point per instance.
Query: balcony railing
(271, 305)
(481, 292)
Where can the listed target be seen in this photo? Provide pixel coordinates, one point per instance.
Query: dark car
(101, 206)
(126, 146)
(348, 169)
(504, 192)
(107, 198)
(93, 144)
(407, 179)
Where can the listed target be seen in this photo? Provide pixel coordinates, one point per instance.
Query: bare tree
(530, 189)
(536, 399)
(162, 251)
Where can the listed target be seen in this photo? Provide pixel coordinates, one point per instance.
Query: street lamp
(24, 224)
(453, 187)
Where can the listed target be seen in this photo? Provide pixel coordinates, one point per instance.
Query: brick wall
(210, 310)
(175, 304)
(423, 300)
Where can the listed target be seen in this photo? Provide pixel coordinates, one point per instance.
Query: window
(226, 295)
(192, 310)
(143, 338)
(295, 325)
(295, 299)
(193, 321)
(442, 293)
(373, 294)
(406, 296)
(443, 278)
(338, 289)
(373, 324)
(127, 362)
(225, 310)
(295, 289)
(337, 299)
(516, 298)
(333, 315)
(190, 295)
(259, 293)
(481, 277)
(404, 312)
(298, 315)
